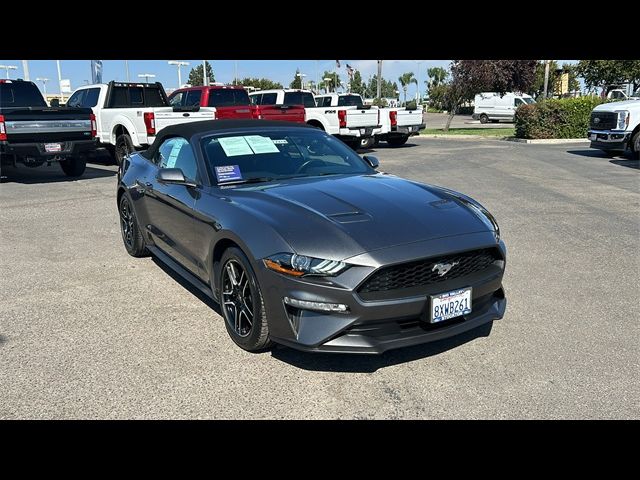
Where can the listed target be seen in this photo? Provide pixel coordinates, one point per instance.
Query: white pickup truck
(349, 123)
(128, 115)
(396, 124)
(615, 127)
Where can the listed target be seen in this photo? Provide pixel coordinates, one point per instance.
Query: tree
(437, 76)
(357, 85)
(606, 73)
(470, 77)
(297, 80)
(196, 78)
(405, 80)
(259, 83)
(330, 85)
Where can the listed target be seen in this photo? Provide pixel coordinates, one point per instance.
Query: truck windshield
(227, 97)
(529, 100)
(636, 94)
(349, 101)
(20, 95)
(299, 98)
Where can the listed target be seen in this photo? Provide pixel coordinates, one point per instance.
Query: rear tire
(124, 147)
(74, 167)
(241, 302)
(397, 141)
(131, 234)
(367, 142)
(353, 144)
(484, 118)
(635, 146)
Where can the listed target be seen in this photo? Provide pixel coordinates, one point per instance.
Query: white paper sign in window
(234, 146)
(261, 144)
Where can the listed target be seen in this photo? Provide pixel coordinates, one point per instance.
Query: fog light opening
(317, 306)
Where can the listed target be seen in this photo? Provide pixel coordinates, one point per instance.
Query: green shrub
(556, 118)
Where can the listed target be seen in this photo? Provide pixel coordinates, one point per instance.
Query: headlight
(299, 265)
(623, 119)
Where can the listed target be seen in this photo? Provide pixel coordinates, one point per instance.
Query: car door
(169, 207)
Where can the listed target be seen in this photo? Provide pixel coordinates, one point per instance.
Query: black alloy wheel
(237, 299)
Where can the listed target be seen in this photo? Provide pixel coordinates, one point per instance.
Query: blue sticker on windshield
(227, 173)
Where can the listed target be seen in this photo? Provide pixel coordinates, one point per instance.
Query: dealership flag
(96, 71)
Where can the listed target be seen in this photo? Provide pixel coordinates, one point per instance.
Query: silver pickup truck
(33, 133)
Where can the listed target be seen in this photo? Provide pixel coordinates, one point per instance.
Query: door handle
(185, 114)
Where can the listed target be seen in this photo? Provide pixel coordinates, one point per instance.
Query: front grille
(606, 120)
(424, 272)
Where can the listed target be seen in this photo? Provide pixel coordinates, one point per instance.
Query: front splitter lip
(362, 344)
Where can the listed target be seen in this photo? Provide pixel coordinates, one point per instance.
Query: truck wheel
(484, 118)
(635, 146)
(367, 142)
(353, 144)
(397, 141)
(124, 146)
(74, 167)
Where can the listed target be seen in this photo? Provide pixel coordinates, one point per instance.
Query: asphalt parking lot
(88, 332)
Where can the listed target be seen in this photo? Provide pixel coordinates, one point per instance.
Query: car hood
(340, 216)
(623, 105)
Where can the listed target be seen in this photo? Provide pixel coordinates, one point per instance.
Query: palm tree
(405, 80)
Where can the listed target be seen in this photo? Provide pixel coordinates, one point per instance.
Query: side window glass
(177, 153)
(176, 100)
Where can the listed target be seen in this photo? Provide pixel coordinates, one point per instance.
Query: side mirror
(371, 160)
(174, 176)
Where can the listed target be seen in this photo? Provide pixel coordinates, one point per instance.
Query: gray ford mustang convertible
(304, 243)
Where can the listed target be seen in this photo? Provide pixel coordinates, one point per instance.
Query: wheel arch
(317, 124)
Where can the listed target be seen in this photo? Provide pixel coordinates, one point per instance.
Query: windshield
(529, 100)
(227, 97)
(299, 98)
(263, 156)
(636, 94)
(349, 101)
(20, 94)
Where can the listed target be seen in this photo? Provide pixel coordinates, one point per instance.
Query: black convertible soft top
(188, 130)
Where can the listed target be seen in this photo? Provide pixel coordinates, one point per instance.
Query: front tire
(124, 147)
(74, 167)
(397, 141)
(241, 302)
(635, 146)
(131, 234)
(484, 118)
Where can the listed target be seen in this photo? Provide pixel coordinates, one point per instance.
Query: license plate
(52, 147)
(593, 137)
(450, 305)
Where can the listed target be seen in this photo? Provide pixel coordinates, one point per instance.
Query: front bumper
(608, 139)
(37, 150)
(372, 326)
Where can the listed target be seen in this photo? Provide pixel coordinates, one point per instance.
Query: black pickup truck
(34, 134)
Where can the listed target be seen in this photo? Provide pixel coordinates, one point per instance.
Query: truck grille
(603, 120)
(424, 272)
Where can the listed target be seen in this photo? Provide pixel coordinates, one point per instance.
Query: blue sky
(278, 70)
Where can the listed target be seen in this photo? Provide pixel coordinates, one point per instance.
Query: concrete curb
(547, 141)
(542, 141)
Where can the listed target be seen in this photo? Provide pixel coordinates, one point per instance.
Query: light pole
(25, 69)
(44, 81)
(146, 76)
(126, 67)
(419, 99)
(60, 80)
(301, 75)
(8, 67)
(327, 79)
(205, 77)
(179, 65)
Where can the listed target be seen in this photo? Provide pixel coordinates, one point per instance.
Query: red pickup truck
(232, 101)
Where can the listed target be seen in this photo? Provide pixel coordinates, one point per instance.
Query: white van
(490, 106)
